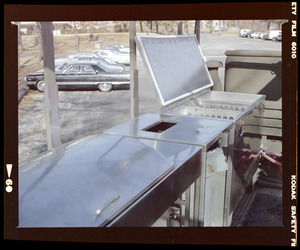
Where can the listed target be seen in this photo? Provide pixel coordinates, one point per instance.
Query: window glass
(60, 67)
(87, 68)
(74, 69)
(98, 68)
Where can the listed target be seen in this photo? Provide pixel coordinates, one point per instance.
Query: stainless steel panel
(187, 129)
(180, 129)
(151, 205)
(242, 161)
(175, 64)
(92, 182)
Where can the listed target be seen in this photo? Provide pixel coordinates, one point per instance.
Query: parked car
(273, 35)
(112, 66)
(245, 33)
(255, 35)
(262, 35)
(81, 74)
(106, 62)
(83, 54)
(116, 56)
(279, 37)
(118, 47)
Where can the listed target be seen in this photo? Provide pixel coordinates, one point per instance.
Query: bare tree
(141, 26)
(76, 36)
(39, 41)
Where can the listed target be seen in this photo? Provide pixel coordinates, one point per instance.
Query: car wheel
(41, 86)
(105, 87)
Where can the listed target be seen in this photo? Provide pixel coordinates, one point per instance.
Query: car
(118, 47)
(279, 37)
(262, 35)
(273, 35)
(116, 56)
(112, 66)
(255, 35)
(245, 33)
(106, 62)
(80, 74)
(83, 54)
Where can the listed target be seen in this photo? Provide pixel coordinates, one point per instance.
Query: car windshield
(60, 67)
(87, 69)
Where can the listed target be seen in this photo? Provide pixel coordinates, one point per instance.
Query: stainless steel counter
(173, 128)
(90, 183)
(187, 130)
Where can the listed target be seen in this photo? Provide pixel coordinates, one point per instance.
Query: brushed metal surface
(175, 64)
(188, 129)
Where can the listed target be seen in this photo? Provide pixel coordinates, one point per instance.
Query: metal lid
(186, 129)
(90, 183)
(175, 64)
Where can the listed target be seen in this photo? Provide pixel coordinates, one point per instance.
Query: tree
(39, 41)
(76, 36)
(141, 26)
(276, 22)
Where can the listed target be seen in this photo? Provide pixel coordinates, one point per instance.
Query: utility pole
(134, 91)
(51, 89)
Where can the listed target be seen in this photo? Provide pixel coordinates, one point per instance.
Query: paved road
(216, 45)
(84, 113)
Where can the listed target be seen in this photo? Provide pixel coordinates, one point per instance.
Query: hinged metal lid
(176, 66)
(90, 184)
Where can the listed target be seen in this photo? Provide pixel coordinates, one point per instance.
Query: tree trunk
(141, 26)
(39, 41)
(76, 37)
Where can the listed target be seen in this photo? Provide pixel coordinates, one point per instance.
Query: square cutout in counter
(160, 126)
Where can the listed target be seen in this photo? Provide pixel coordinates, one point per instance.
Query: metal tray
(221, 105)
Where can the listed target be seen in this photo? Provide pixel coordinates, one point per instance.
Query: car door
(69, 77)
(86, 76)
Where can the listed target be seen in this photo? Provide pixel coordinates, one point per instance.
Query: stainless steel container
(187, 130)
(183, 85)
(107, 180)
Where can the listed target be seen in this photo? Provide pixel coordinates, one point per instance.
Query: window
(74, 69)
(61, 67)
(87, 69)
(97, 68)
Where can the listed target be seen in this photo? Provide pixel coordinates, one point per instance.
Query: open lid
(175, 64)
